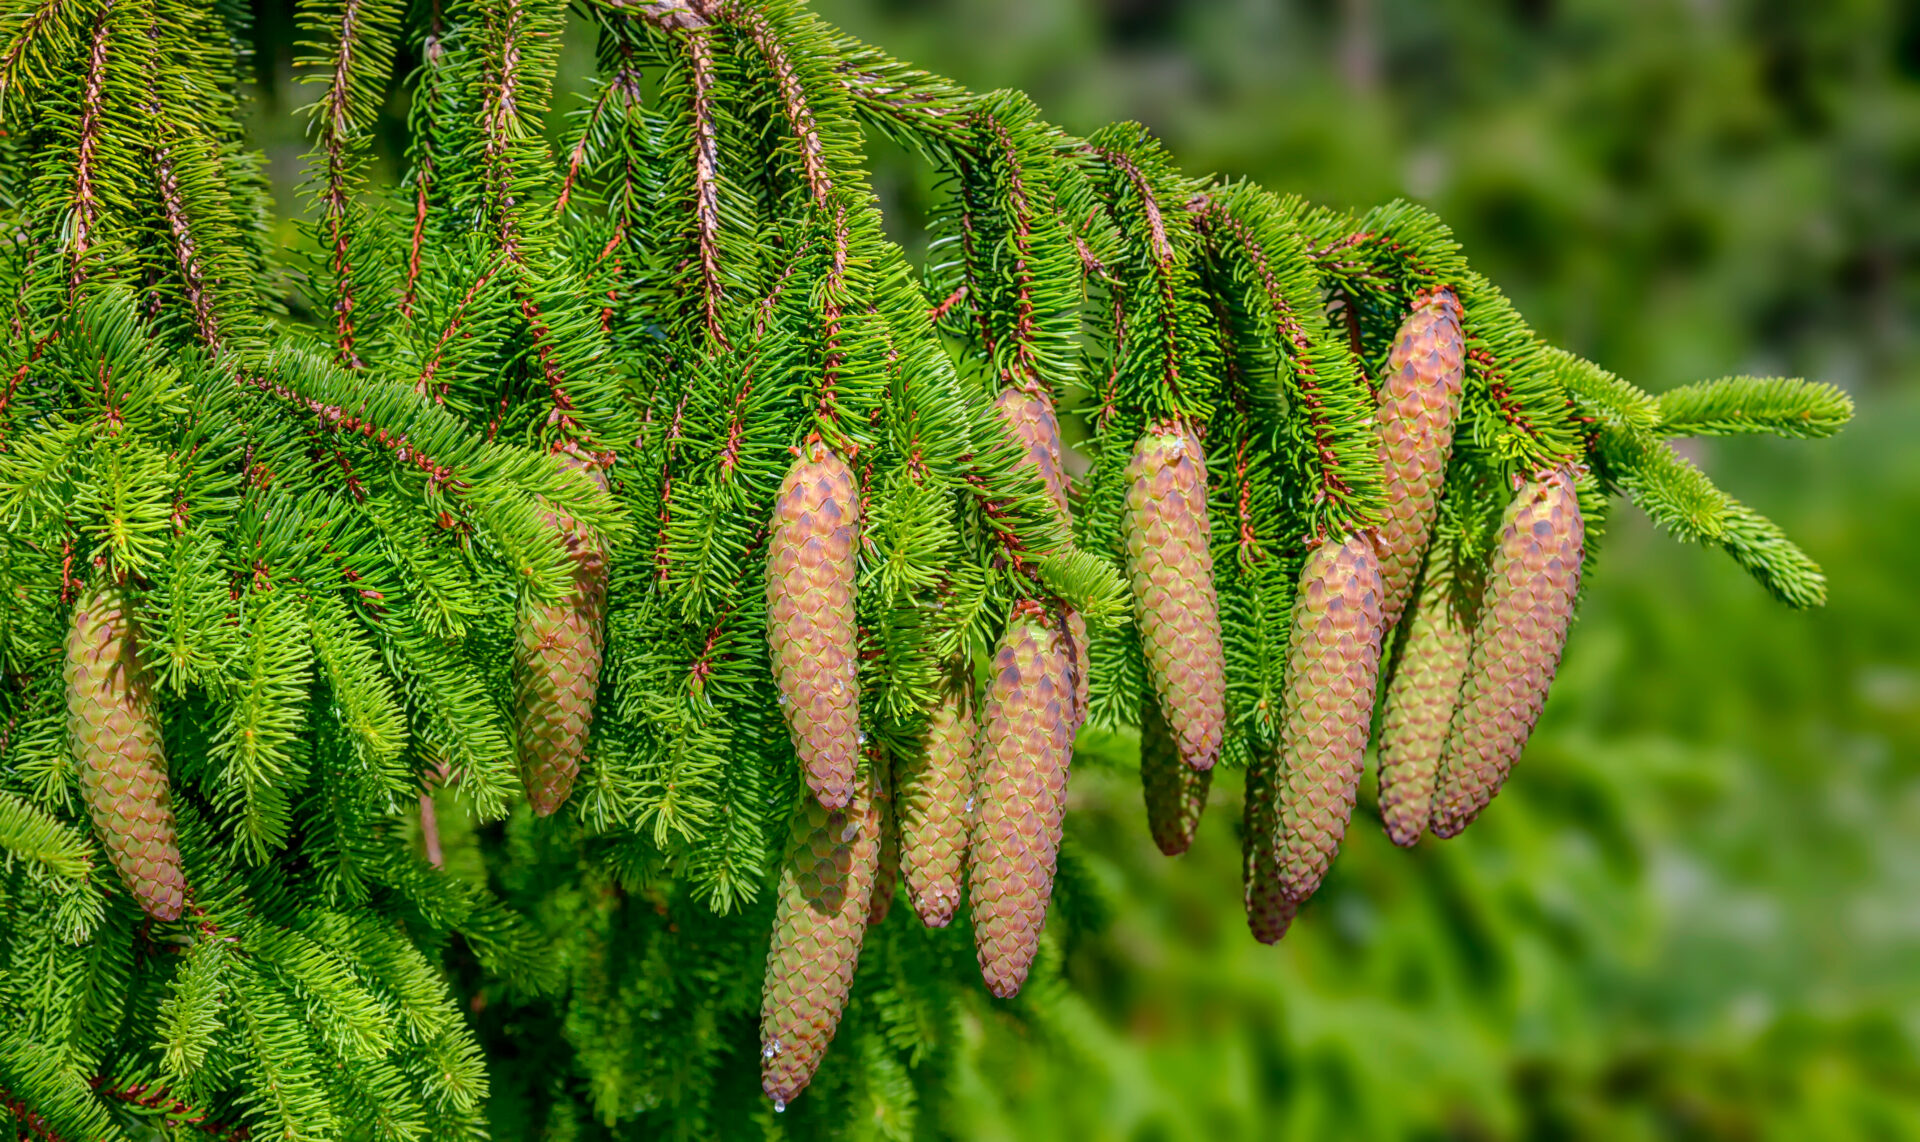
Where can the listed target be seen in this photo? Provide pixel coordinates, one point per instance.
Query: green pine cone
(826, 886)
(1333, 661)
(1516, 646)
(1176, 793)
(886, 875)
(811, 630)
(1171, 568)
(935, 805)
(1269, 912)
(1420, 702)
(1419, 402)
(1027, 743)
(556, 668)
(116, 742)
(1030, 417)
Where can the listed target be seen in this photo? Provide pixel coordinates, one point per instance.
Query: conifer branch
(86, 205)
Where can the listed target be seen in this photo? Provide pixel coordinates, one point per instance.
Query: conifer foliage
(633, 497)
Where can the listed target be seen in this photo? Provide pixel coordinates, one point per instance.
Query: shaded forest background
(1695, 912)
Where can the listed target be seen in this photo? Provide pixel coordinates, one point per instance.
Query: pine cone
(826, 886)
(116, 741)
(810, 619)
(556, 667)
(1030, 417)
(1420, 703)
(1515, 647)
(1418, 405)
(886, 875)
(1025, 750)
(935, 804)
(1172, 571)
(1269, 912)
(1175, 791)
(1332, 663)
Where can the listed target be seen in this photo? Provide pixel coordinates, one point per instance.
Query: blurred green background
(1695, 911)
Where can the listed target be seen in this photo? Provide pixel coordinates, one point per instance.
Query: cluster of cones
(983, 798)
(985, 792)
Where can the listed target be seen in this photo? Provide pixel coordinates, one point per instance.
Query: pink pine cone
(556, 667)
(1516, 647)
(1175, 792)
(1420, 703)
(1269, 912)
(826, 886)
(116, 741)
(811, 630)
(1026, 747)
(1419, 402)
(934, 800)
(1333, 661)
(1171, 566)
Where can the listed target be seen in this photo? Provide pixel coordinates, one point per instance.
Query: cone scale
(556, 667)
(1171, 568)
(1333, 660)
(1175, 792)
(934, 800)
(811, 630)
(1419, 402)
(116, 742)
(1026, 745)
(1522, 628)
(826, 887)
(1421, 699)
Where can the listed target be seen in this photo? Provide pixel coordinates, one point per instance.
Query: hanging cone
(810, 619)
(556, 666)
(935, 806)
(1420, 703)
(1269, 912)
(1332, 663)
(1175, 791)
(886, 875)
(116, 743)
(1419, 403)
(1515, 648)
(1031, 420)
(1026, 745)
(826, 885)
(1171, 567)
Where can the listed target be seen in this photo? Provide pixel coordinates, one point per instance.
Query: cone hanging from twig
(811, 630)
(1522, 628)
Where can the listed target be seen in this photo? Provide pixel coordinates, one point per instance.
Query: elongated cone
(1420, 702)
(935, 806)
(810, 620)
(556, 667)
(1419, 402)
(1172, 571)
(1030, 417)
(116, 741)
(1332, 664)
(1515, 648)
(1027, 743)
(1269, 912)
(1175, 791)
(886, 875)
(826, 886)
